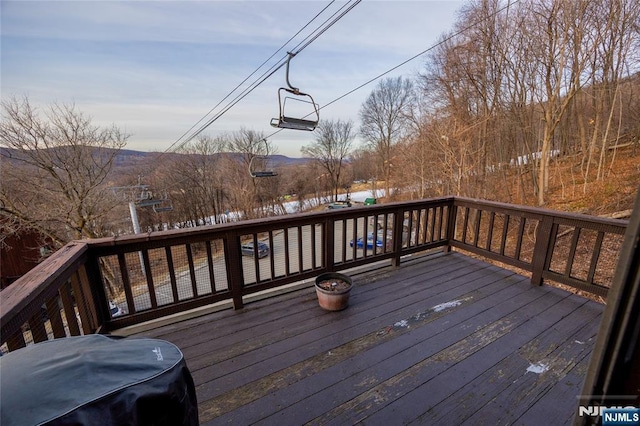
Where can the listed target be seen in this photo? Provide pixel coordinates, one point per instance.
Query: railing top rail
(56, 268)
(257, 225)
(540, 211)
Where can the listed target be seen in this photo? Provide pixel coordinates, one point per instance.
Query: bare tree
(196, 181)
(55, 170)
(615, 25)
(330, 149)
(560, 50)
(385, 120)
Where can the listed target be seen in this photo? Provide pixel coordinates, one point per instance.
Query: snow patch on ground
(447, 305)
(538, 368)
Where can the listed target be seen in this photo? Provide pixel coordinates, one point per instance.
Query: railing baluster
(505, 232)
(149, 278)
(385, 227)
(465, 224)
(365, 237)
(313, 247)
(476, 231)
(69, 311)
(287, 262)
(572, 252)
(124, 272)
(55, 319)
(172, 274)
(38, 331)
(300, 251)
(374, 241)
(212, 279)
(440, 222)
(81, 300)
(272, 262)
(410, 225)
(594, 257)
(192, 270)
(519, 239)
(418, 226)
(16, 341)
(492, 216)
(431, 225)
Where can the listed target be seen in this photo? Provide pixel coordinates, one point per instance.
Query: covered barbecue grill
(96, 379)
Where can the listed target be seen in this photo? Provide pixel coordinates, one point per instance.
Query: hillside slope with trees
(531, 102)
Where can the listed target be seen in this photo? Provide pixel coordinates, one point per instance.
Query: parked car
(263, 249)
(360, 243)
(339, 204)
(114, 309)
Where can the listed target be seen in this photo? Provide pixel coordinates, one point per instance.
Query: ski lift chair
(286, 122)
(260, 173)
(164, 206)
(144, 195)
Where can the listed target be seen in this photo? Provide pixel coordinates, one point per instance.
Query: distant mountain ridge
(130, 157)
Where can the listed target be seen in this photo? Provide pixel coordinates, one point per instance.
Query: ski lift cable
(300, 47)
(285, 121)
(250, 75)
(444, 40)
(321, 30)
(257, 82)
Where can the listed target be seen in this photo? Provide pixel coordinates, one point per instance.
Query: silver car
(248, 250)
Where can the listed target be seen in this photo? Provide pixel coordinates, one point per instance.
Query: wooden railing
(576, 250)
(105, 284)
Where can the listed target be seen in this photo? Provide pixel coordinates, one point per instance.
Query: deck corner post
(233, 263)
(95, 286)
(452, 211)
(542, 251)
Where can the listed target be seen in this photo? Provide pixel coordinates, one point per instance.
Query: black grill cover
(97, 380)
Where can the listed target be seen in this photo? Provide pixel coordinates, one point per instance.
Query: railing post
(92, 278)
(235, 275)
(398, 236)
(541, 252)
(450, 231)
(329, 244)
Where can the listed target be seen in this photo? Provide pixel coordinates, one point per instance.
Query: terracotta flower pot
(333, 291)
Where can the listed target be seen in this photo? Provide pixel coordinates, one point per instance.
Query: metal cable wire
(377, 77)
(267, 74)
(444, 40)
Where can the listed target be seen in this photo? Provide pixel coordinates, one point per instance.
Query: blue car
(379, 242)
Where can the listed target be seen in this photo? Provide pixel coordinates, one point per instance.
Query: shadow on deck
(443, 339)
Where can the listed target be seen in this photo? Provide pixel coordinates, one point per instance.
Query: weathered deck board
(443, 339)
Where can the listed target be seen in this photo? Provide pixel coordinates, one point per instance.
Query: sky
(155, 69)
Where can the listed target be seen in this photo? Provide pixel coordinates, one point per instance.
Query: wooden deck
(443, 339)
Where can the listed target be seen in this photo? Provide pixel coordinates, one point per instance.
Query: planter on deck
(333, 290)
